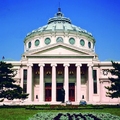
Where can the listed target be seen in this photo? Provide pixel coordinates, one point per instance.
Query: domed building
(62, 55)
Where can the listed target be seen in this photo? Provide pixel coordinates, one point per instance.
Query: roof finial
(59, 9)
(59, 13)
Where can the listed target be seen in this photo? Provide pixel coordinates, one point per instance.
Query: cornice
(55, 33)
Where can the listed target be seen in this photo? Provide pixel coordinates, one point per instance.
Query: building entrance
(58, 91)
(72, 91)
(47, 91)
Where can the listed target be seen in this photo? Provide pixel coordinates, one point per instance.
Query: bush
(74, 116)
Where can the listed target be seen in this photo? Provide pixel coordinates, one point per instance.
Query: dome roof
(59, 29)
(59, 23)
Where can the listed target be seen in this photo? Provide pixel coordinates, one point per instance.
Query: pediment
(60, 50)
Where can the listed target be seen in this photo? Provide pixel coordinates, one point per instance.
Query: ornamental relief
(105, 72)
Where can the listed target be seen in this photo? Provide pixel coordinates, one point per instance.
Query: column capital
(66, 64)
(41, 64)
(90, 65)
(53, 64)
(29, 65)
(78, 64)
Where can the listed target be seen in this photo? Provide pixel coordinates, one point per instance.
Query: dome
(58, 26)
(57, 23)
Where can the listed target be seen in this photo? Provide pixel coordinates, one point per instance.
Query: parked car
(83, 102)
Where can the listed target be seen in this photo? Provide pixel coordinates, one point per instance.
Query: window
(95, 81)
(29, 45)
(89, 44)
(59, 39)
(37, 42)
(47, 41)
(72, 41)
(82, 42)
(25, 80)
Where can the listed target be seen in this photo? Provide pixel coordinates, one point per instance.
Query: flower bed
(74, 116)
(62, 107)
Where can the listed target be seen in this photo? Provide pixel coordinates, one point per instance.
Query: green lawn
(23, 114)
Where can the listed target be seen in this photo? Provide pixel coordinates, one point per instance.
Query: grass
(23, 114)
(16, 113)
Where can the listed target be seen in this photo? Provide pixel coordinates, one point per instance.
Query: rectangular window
(95, 81)
(25, 80)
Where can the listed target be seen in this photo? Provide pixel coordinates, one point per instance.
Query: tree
(8, 88)
(114, 89)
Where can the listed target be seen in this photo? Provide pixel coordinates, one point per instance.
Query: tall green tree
(8, 88)
(114, 89)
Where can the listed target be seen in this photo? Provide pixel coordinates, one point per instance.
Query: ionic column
(41, 83)
(21, 76)
(29, 81)
(90, 81)
(53, 82)
(101, 89)
(66, 82)
(98, 82)
(78, 82)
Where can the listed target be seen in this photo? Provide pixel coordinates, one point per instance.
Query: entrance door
(58, 93)
(47, 91)
(72, 91)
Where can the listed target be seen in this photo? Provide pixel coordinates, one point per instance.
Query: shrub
(74, 116)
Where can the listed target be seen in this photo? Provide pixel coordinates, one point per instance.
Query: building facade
(62, 55)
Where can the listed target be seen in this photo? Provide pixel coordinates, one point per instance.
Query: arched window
(59, 39)
(37, 42)
(29, 45)
(89, 44)
(47, 41)
(72, 41)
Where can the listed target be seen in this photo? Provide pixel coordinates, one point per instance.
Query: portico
(44, 81)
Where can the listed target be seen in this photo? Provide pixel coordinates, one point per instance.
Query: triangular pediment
(59, 50)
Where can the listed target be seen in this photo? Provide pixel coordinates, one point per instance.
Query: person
(62, 95)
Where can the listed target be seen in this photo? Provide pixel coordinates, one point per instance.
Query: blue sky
(100, 17)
